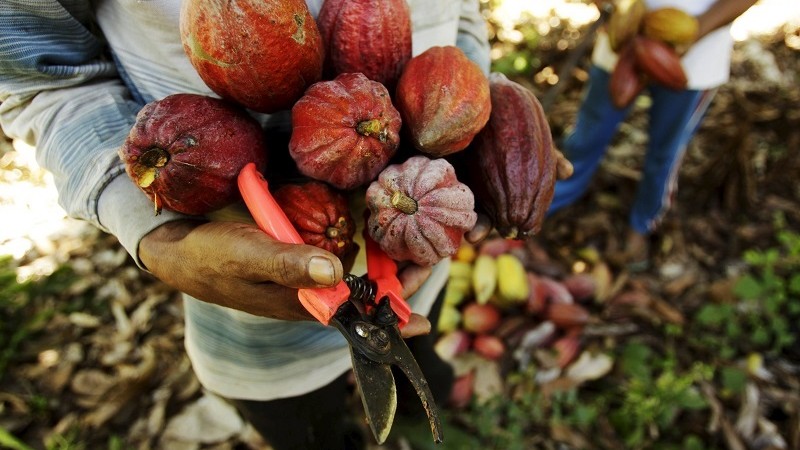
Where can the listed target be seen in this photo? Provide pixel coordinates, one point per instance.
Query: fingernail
(321, 270)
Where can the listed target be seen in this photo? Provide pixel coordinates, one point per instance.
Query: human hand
(238, 266)
(564, 168)
(412, 276)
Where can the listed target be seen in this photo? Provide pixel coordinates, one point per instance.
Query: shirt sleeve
(473, 34)
(60, 92)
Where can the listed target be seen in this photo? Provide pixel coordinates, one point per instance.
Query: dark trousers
(320, 419)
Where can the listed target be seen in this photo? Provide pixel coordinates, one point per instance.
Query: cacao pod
(443, 98)
(344, 131)
(419, 211)
(185, 152)
(239, 48)
(626, 81)
(512, 163)
(671, 25)
(320, 214)
(366, 36)
(659, 62)
(625, 22)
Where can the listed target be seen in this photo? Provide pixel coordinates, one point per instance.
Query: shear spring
(361, 290)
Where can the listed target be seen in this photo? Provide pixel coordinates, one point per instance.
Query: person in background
(674, 117)
(73, 75)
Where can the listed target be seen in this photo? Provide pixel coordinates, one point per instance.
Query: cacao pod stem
(404, 203)
(372, 128)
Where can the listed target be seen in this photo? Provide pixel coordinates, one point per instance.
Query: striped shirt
(73, 75)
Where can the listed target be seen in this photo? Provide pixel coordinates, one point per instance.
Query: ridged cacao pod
(512, 162)
(625, 22)
(239, 48)
(344, 131)
(367, 36)
(659, 62)
(443, 98)
(419, 211)
(185, 152)
(320, 215)
(671, 25)
(626, 81)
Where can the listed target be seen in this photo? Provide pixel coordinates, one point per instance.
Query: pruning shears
(368, 311)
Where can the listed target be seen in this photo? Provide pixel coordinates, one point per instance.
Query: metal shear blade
(376, 345)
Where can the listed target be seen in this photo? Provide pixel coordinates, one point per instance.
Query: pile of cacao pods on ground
(507, 303)
(431, 139)
(649, 45)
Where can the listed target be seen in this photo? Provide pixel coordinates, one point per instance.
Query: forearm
(62, 95)
(473, 34)
(720, 14)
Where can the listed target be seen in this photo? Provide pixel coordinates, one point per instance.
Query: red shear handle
(383, 271)
(321, 303)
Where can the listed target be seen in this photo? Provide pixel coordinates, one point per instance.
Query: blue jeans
(674, 118)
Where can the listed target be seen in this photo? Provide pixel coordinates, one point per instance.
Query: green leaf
(747, 288)
(9, 441)
(733, 379)
(635, 360)
(794, 284)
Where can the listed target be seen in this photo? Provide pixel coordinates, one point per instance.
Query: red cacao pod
(419, 211)
(320, 214)
(186, 150)
(443, 98)
(567, 315)
(344, 131)
(512, 163)
(477, 318)
(366, 36)
(239, 48)
(488, 346)
(660, 62)
(626, 82)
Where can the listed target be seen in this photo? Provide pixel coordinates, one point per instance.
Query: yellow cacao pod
(512, 281)
(625, 22)
(671, 25)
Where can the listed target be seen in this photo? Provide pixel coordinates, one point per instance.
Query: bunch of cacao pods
(506, 302)
(431, 138)
(649, 45)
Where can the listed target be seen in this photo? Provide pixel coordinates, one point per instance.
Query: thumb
(293, 265)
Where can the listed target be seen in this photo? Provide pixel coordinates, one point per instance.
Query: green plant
(653, 396)
(22, 306)
(766, 306)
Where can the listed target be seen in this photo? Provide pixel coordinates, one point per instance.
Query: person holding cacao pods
(679, 51)
(73, 76)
